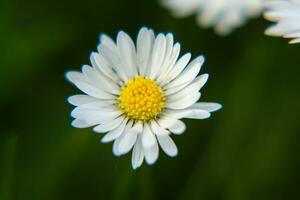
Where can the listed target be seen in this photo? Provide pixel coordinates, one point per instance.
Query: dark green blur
(247, 151)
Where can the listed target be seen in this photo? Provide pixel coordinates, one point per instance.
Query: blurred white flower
(287, 15)
(223, 15)
(137, 94)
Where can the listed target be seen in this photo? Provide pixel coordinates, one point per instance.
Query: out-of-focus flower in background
(223, 15)
(287, 16)
(137, 94)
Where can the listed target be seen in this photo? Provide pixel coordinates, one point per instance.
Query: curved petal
(182, 8)
(100, 80)
(107, 41)
(208, 106)
(103, 117)
(167, 144)
(80, 123)
(151, 153)
(127, 53)
(93, 91)
(148, 139)
(137, 154)
(99, 62)
(184, 102)
(100, 105)
(196, 83)
(169, 65)
(177, 69)
(158, 54)
(194, 87)
(192, 113)
(189, 73)
(138, 127)
(158, 130)
(127, 141)
(174, 125)
(168, 54)
(103, 128)
(80, 112)
(115, 147)
(74, 77)
(115, 133)
(81, 99)
(113, 58)
(145, 41)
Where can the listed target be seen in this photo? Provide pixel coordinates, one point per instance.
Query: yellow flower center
(141, 98)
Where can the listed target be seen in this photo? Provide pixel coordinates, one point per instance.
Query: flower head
(223, 15)
(137, 94)
(287, 16)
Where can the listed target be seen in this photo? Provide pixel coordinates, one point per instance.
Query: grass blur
(248, 150)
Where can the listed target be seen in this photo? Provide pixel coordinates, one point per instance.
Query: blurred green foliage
(248, 150)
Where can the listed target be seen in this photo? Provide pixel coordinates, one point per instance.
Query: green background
(248, 150)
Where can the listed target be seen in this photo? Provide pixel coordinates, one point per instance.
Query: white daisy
(138, 94)
(223, 15)
(287, 14)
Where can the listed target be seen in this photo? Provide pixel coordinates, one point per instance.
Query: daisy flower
(287, 16)
(223, 15)
(137, 94)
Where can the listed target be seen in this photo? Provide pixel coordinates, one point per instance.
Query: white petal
(197, 114)
(115, 133)
(99, 62)
(174, 125)
(164, 139)
(137, 154)
(100, 105)
(145, 43)
(168, 55)
(148, 139)
(103, 117)
(151, 153)
(199, 83)
(158, 54)
(182, 8)
(194, 87)
(74, 77)
(163, 75)
(176, 89)
(81, 99)
(286, 14)
(107, 41)
(292, 35)
(177, 69)
(209, 107)
(80, 112)
(113, 58)
(188, 113)
(190, 72)
(158, 130)
(127, 53)
(184, 102)
(138, 127)
(120, 138)
(99, 80)
(167, 144)
(127, 141)
(93, 91)
(80, 123)
(103, 128)
(84, 111)
(115, 147)
(294, 41)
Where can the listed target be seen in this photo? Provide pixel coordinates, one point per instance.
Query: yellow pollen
(141, 98)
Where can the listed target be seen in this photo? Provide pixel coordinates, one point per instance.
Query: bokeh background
(248, 150)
